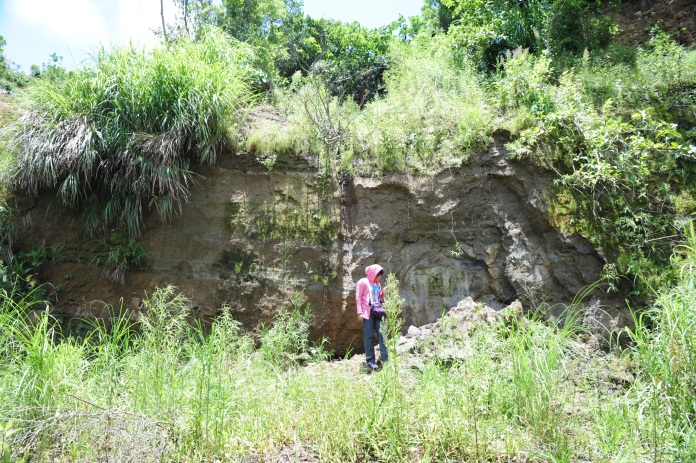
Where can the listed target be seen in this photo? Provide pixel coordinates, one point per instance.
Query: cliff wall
(255, 240)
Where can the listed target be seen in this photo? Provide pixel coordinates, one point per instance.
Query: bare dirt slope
(676, 17)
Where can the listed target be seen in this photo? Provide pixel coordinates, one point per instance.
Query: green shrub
(620, 144)
(623, 177)
(349, 57)
(286, 341)
(25, 273)
(121, 136)
(486, 31)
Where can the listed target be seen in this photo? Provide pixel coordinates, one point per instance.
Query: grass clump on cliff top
(432, 113)
(121, 136)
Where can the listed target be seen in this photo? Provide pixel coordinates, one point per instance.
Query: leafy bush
(286, 341)
(121, 136)
(486, 31)
(621, 146)
(350, 58)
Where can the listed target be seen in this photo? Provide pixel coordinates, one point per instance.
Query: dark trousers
(371, 326)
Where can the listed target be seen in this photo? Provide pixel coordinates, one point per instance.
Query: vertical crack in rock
(348, 202)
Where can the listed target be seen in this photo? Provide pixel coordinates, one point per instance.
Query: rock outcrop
(252, 239)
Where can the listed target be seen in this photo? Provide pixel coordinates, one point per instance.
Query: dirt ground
(676, 17)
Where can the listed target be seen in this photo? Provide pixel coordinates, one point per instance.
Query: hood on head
(371, 271)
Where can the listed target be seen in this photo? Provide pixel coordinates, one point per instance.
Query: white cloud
(138, 18)
(67, 20)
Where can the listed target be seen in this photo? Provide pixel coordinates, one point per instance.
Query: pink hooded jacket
(362, 292)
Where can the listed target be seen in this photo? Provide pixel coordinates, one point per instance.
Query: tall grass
(121, 136)
(285, 343)
(660, 74)
(8, 115)
(171, 390)
(433, 114)
(666, 349)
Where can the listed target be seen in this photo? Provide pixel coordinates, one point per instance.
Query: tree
(10, 76)
(350, 58)
(438, 15)
(489, 29)
(164, 25)
(264, 24)
(52, 69)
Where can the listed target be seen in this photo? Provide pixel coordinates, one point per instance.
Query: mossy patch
(236, 262)
(292, 215)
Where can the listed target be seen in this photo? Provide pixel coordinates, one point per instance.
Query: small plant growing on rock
(393, 304)
(120, 255)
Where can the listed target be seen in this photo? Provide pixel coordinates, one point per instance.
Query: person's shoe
(371, 366)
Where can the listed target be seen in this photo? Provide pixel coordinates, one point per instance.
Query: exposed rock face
(251, 239)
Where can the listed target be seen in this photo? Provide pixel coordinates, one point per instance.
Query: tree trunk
(186, 17)
(164, 26)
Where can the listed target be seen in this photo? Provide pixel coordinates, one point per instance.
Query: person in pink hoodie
(371, 324)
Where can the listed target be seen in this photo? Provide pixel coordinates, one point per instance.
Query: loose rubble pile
(447, 338)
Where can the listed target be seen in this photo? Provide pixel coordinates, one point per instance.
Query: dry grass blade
(89, 436)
